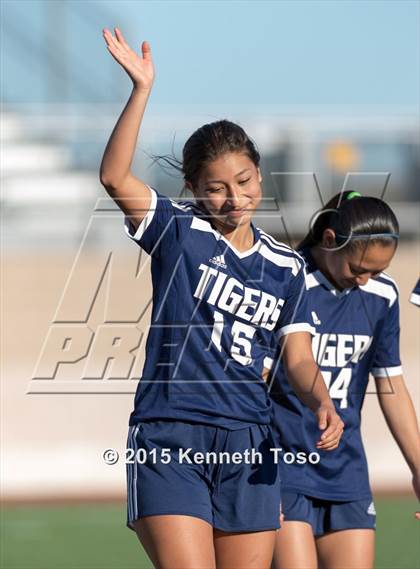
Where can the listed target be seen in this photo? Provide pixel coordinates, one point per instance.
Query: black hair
(206, 144)
(354, 219)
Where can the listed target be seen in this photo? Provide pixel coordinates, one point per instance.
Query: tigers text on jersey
(357, 333)
(215, 312)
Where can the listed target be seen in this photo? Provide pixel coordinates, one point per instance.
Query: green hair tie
(352, 195)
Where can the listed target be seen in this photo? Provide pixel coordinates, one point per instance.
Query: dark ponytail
(354, 219)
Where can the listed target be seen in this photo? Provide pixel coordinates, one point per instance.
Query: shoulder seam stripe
(383, 290)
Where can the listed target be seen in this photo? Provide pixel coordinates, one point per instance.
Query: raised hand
(139, 67)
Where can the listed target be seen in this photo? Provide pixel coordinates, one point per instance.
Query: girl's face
(355, 267)
(230, 189)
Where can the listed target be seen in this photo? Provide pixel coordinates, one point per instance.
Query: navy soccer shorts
(325, 515)
(227, 478)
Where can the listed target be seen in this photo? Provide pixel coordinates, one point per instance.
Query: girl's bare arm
(400, 415)
(130, 193)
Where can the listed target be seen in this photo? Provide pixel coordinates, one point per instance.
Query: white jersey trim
(277, 244)
(386, 371)
(317, 278)
(268, 362)
(181, 206)
(390, 279)
(280, 260)
(202, 225)
(380, 289)
(311, 280)
(415, 298)
(146, 221)
(299, 327)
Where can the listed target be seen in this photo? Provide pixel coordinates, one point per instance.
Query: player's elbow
(105, 179)
(110, 182)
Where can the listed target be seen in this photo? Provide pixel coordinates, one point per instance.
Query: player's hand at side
(332, 425)
(139, 67)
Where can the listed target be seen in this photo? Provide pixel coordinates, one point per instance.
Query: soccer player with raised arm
(329, 514)
(222, 289)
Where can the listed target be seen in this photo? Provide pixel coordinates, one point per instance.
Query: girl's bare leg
(244, 550)
(347, 549)
(177, 542)
(295, 547)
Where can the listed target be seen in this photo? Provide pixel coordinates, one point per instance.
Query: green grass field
(95, 537)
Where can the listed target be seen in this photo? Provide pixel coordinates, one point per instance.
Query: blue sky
(217, 52)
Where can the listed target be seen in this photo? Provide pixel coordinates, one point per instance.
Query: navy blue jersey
(215, 313)
(357, 333)
(415, 295)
